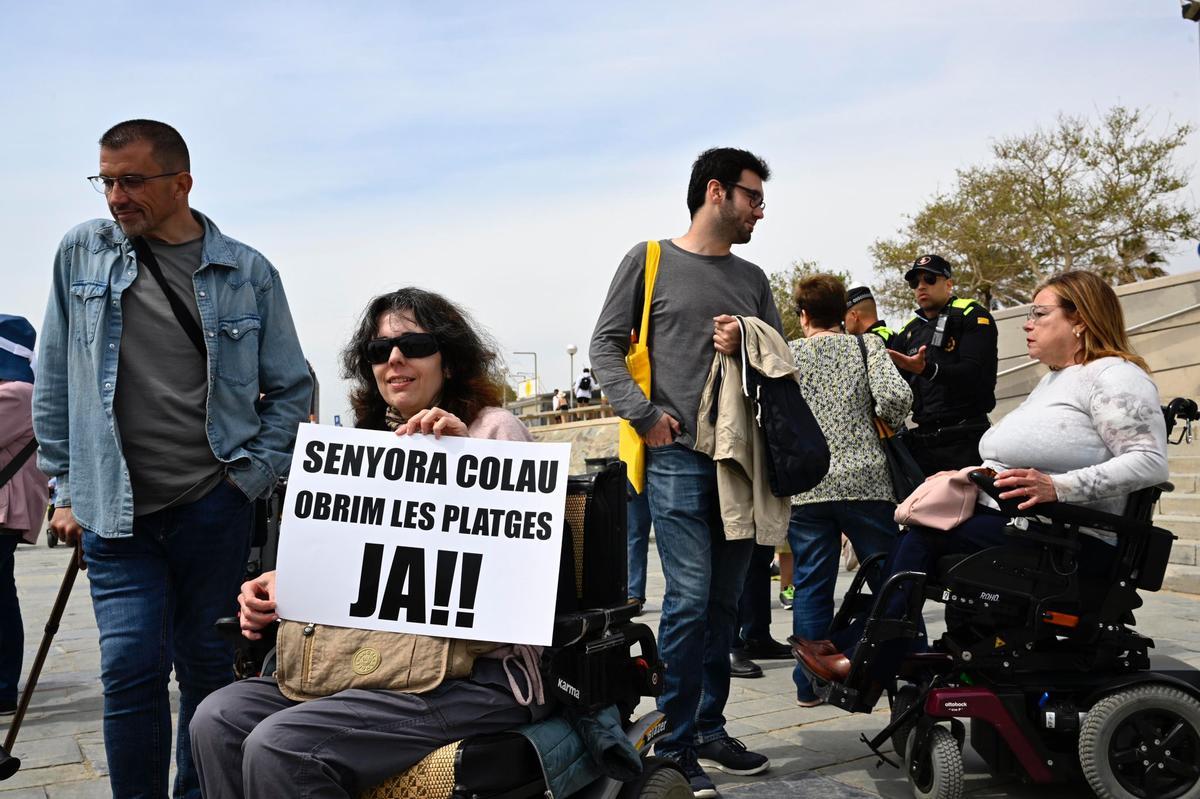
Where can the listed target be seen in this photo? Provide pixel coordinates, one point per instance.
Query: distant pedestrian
(585, 387)
(637, 513)
(23, 491)
(560, 403)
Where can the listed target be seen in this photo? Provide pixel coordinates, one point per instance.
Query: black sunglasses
(928, 277)
(412, 345)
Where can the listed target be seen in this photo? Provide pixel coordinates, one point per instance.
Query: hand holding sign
(433, 420)
(256, 605)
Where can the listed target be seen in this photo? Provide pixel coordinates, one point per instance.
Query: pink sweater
(23, 498)
(499, 424)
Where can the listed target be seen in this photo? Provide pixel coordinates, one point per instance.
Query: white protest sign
(453, 537)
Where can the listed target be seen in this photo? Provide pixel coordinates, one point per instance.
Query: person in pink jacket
(23, 495)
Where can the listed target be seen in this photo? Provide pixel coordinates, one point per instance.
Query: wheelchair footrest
(847, 698)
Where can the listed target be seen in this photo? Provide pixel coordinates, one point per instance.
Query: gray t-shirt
(162, 388)
(689, 291)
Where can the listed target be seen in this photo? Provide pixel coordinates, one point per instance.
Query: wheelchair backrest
(594, 562)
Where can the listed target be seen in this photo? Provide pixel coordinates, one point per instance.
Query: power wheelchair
(599, 657)
(1043, 661)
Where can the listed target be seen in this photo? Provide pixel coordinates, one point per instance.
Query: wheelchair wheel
(905, 696)
(1142, 741)
(660, 779)
(936, 771)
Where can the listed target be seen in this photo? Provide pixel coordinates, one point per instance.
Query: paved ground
(814, 752)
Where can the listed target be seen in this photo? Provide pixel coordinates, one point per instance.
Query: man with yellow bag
(670, 303)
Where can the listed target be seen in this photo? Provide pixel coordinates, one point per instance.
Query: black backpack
(585, 383)
(797, 452)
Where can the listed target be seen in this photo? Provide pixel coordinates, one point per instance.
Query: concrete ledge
(1184, 579)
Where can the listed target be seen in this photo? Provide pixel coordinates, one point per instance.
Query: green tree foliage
(782, 283)
(1103, 196)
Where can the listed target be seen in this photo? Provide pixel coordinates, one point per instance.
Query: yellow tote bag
(630, 447)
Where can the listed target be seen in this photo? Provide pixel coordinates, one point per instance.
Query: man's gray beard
(134, 231)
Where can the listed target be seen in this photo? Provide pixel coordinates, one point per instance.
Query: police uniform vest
(939, 397)
(881, 329)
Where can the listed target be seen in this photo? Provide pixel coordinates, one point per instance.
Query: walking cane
(8, 763)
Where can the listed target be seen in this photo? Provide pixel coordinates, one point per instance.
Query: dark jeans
(12, 631)
(704, 575)
(815, 536)
(754, 607)
(156, 595)
(638, 542)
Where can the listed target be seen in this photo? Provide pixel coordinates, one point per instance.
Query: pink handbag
(944, 501)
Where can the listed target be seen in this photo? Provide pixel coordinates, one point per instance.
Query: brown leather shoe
(830, 668)
(823, 647)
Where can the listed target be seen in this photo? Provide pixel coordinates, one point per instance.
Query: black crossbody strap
(146, 256)
(14, 466)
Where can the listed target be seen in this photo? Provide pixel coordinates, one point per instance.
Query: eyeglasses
(412, 345)
(1039, 312)
(130, 184)
(928, 277)
(755, 197)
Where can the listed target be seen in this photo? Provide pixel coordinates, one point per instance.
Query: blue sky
(508, 155)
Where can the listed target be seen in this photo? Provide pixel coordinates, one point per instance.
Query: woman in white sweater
(1091, 433)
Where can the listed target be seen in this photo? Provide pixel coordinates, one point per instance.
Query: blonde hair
(1095, 306)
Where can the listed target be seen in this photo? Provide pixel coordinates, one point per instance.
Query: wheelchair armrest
(584, 624)
(230, 630)
(1063, 512)
(986, 480)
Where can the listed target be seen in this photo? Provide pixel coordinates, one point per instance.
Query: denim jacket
(259, 386)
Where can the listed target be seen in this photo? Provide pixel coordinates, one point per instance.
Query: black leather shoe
(767, 649)
(742, 666)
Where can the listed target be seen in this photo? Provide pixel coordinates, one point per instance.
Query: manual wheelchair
(600, 658)
(1040, 656)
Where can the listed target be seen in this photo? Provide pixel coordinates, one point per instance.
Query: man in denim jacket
(162, 436)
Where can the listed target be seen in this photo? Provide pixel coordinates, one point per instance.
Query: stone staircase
(1179, 512)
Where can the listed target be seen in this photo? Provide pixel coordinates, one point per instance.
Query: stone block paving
(814, 751)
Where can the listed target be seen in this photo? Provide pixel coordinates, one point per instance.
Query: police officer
(862, 316)
(947, 352)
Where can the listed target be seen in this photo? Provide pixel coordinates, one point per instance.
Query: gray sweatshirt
(688, 292)
(1097, 429)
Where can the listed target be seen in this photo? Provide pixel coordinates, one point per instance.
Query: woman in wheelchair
(417, 365)
(1091, 433)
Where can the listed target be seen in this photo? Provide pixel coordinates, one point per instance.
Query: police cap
(933, 264)
(856, 294)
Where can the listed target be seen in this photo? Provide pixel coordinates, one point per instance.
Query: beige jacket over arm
(736, 442)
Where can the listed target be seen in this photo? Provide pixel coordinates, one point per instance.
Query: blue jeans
(156, 595)
(638, 541)
(815, 536)
(12, 631)
(704, 576)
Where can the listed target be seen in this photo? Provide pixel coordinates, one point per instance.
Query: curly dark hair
(468, 355)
